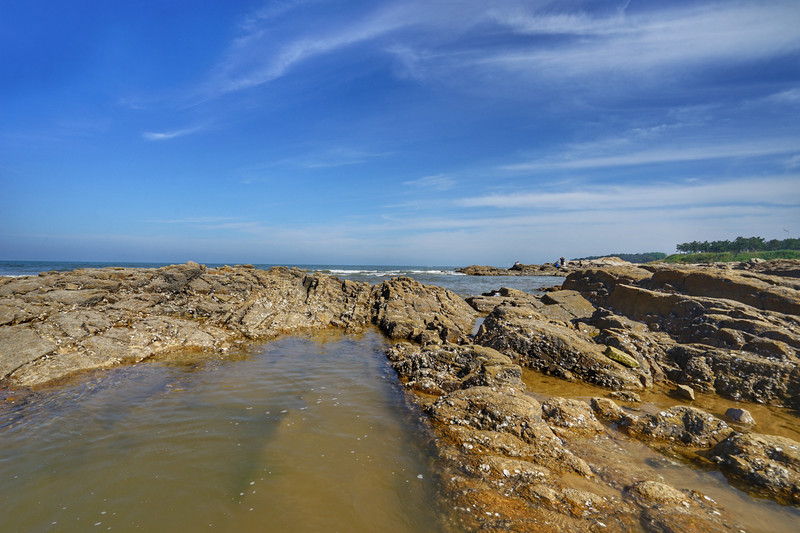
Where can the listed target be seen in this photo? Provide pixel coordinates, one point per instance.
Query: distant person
(563, 262)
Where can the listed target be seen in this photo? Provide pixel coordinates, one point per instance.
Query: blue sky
(411, 132)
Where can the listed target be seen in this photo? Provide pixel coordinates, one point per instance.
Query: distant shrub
(727, 257)
(739, 244)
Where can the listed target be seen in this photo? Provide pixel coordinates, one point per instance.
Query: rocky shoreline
(509, 461)
(546, 269)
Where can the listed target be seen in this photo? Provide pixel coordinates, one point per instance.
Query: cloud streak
(679, 154)
(776, 190)
(438, 182)
(457, 42)
(172, 134)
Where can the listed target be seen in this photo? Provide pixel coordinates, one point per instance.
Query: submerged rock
(740, 416)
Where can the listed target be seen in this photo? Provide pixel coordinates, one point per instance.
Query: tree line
(738, 245)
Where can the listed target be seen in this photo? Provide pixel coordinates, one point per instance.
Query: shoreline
(625, 328)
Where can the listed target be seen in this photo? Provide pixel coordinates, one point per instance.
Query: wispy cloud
(681, 38)
(776, 190)
(674, 154)
(255, 59)
(457, 42)
(439, 182)
(195, 220)
(172, 134)
(790, 96)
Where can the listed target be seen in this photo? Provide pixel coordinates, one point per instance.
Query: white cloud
(652, 41)
(166, 135)
(439, 182)
(790, 96)
(674, 154)
(776, 190)
(448, 40)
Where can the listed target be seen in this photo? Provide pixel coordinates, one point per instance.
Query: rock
(754, 290)
(438, 369)
(406, 309)
(478, 270)
(625, 396)
(607, 409)
(19, 346)
(483, 421)
(721, 330)
(566, 415)
(485, 409)
(740, 416)
(485, 303)
(62, 322)
(621, 357)
(562, 351)
(789, 268)
(570, 301)
(669, 509)
(679, 425)
(769, 462)
(653, 493)
(684, 392)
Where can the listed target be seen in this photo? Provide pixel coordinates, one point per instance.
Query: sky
(394, 132)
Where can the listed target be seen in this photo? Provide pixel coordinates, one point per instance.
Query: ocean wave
(388, 273)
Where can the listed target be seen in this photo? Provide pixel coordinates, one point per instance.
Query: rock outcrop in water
(547, 269)
(627, 328)
(511, 462)
(59, 323)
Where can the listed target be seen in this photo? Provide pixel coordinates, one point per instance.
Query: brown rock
(567, 415)
(684, 392)
(20, 345)
(769, 462)
(520, 333)
(680, 425)
(406, 309)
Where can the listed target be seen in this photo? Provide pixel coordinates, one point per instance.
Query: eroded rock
(63, 322)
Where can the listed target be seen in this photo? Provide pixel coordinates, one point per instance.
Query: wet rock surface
(511, 463)
(626, 328)
(769, 462)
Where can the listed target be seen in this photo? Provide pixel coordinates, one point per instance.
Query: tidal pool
(305, 433)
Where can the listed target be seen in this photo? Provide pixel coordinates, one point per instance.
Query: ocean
(443, 276)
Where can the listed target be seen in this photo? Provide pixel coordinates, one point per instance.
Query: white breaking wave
(389, 273)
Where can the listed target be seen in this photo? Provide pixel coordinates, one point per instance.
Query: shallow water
(755, 513)
(301, 434)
